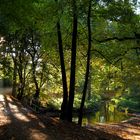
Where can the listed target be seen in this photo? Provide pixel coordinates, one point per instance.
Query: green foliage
(114, 74)
(54, 104)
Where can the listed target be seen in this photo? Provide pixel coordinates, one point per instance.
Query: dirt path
(20, 123)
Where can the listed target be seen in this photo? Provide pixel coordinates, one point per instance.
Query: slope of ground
(20, 123)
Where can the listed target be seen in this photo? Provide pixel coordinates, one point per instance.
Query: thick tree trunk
(87, 67)
(63, 71)
(73, 63)
(20, 73)
(20, 89)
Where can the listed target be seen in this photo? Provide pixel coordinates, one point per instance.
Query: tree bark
(73, 63)
(14, 78)
(64, 104)
(20, 73)
(87, 66)
(89, 85)
(63, 71)
(37, 92)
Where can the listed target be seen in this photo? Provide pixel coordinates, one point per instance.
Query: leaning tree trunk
(73, 63)
(87, 67)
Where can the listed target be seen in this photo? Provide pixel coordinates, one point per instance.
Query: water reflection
(107, 114)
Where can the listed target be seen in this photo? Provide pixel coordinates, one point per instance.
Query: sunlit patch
(4, 118)
(137, 137)
(9, 99)
(1, 98)
(37, 135)
(13, 107)
(17, 113)
(42, 125)
(4, 121)
(55, 121)
(21, 117)
(32, 116)
(133, 131)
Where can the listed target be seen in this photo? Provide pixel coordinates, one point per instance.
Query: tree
(33, 48)
(63, 71)
(73, 62)
(87, 65)
(29, 32)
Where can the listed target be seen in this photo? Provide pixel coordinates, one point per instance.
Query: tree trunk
(20, 89)
(20, 73)
(36, 95)
(87, 67)
(73, 63)
(89, 85)
(63, 71)
(14, 79)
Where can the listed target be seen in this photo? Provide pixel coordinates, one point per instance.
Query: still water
(104, 115)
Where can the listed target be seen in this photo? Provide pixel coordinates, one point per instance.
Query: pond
(104, 115)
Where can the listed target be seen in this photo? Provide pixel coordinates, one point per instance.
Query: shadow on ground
(19, 123)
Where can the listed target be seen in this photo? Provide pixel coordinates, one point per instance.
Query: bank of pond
(103, 115)
(106, 113)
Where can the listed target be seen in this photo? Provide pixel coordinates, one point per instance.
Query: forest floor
(20, 123)
(129, 129)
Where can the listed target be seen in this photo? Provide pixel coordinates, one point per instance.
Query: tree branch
(115, 38)
(102, 56)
